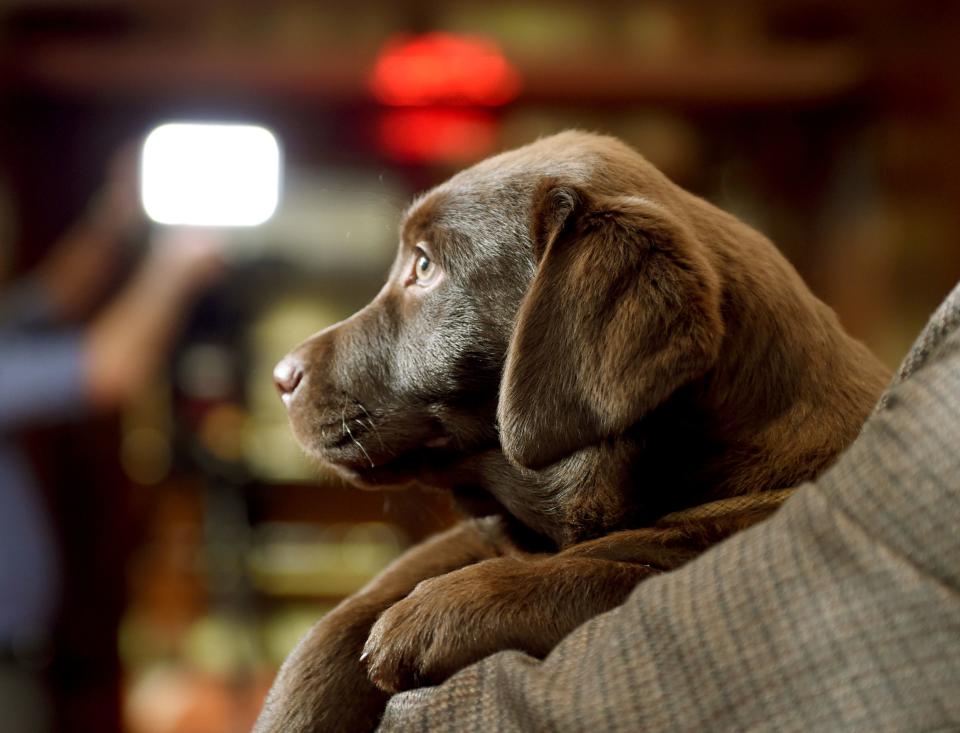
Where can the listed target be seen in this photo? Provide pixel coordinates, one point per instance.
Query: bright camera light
(202, 174)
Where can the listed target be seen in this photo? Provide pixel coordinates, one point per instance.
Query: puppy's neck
(585, 495)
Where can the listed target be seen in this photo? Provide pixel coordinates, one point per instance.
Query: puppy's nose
(287, 374)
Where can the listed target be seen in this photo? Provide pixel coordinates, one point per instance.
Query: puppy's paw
(399, 653)
(445, 624)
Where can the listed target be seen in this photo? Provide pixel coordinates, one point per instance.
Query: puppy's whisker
(359, 444)
(372, 424)
(373, 428)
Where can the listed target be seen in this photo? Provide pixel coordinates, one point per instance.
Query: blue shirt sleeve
(41, 379)
(41, 369)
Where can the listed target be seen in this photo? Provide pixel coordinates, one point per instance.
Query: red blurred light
(442, 68)
(437, 135)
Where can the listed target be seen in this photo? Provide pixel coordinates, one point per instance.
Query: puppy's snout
(287, 375)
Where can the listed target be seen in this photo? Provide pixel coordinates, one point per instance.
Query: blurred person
(52, 370)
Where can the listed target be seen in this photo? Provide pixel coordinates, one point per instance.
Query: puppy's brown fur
(596, 349)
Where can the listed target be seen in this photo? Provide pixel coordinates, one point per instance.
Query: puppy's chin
(388, 454)
(425, 466)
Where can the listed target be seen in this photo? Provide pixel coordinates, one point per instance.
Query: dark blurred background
(196, 542)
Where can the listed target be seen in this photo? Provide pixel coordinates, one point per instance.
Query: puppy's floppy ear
(623, 310)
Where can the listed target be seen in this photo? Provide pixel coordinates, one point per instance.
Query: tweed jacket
(841, 612)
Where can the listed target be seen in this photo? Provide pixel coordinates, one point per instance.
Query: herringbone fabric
(839, 613)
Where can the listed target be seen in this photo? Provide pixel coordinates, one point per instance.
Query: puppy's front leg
(322, 685)
(526, 603)
(531, 602)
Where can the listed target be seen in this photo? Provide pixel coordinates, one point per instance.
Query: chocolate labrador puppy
(594, 361)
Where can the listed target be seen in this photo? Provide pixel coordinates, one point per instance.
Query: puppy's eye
(424, 268)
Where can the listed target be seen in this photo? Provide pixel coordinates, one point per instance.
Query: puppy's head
(540, 302)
